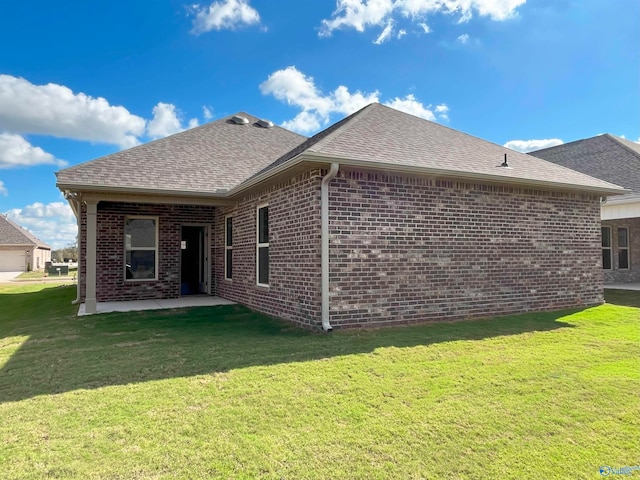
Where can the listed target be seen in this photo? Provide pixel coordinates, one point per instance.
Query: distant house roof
(610, 158)
(13, 234)
(209, 158)
(223, 155)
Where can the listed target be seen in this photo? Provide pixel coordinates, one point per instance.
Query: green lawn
(39, 274)
(226, 393)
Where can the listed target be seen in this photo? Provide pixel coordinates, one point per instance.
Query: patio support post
(90, 302)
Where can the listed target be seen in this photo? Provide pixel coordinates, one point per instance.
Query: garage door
(12, 260)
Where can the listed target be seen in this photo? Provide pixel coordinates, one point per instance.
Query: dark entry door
(193, 264)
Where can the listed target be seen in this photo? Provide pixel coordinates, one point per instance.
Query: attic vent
(239, 120)
(264, 123)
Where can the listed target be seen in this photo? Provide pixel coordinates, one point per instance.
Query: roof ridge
(306, 144)
(168, 137)
(349, 119)
(564, 144)
(30, 237)
(616, 140)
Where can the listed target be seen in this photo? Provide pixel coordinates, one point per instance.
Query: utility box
(58, 269)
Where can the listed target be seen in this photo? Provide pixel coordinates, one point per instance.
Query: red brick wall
(633, 273)
(294, 249)
(110, 282)
(415, 249)
(403, 250)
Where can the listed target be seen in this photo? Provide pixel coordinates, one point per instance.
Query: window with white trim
(262, 246)
(606, 248)
(623, 247)
(228, 248)
(141, 248)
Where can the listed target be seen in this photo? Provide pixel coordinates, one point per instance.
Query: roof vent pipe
(505, 164)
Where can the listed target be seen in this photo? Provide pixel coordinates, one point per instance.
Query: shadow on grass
(47, 350)
(627, 298)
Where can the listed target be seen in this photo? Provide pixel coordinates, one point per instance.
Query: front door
(193, 261)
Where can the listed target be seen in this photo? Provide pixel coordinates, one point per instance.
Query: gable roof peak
(13, 234)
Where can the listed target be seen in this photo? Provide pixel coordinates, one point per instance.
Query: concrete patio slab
(140, 305)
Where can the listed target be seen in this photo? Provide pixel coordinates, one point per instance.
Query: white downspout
(74, 201)
(324, 213)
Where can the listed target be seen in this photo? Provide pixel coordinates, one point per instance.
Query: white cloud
(16, 151)
(56, 110)
(442, 111)
(401, 34)
(357, 14)
(166, 121)
(53, 223)
(385, 34)
(296, 89)
(463, 39)
(525, 146)
(360, 14)
(207, 113)
(409, 104)
(225, 14)
(304, 122)
(3, 189)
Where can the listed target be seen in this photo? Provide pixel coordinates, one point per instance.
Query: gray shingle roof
(221, 155)
(607, 157)
(382, 135)
(13, 234)
(214, 156)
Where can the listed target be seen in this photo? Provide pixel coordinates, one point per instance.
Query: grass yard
(39, 274)
(226, 393)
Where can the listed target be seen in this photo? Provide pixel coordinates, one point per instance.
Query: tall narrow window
(262, 254)
(228, 248)
(606, 248)
(623, 247)
(141, 248)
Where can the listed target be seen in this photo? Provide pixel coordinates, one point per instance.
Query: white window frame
(609, 247)
(228, 248)
(260, 245)
(623, 248)
(155, 248)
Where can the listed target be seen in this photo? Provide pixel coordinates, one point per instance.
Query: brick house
(615, 160)
(382, 218)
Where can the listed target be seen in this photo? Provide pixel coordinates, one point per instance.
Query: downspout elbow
(324, 213)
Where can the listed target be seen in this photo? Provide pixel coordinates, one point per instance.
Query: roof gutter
(481, 177)
(324, 213)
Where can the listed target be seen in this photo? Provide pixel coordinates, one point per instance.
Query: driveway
(8, 276)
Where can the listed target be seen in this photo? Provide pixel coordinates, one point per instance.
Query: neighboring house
(20, 250)
(615, 160)
(382, 218)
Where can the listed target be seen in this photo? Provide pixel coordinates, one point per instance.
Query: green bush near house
(225, 392)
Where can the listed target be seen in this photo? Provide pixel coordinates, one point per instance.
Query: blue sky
(78, 82)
